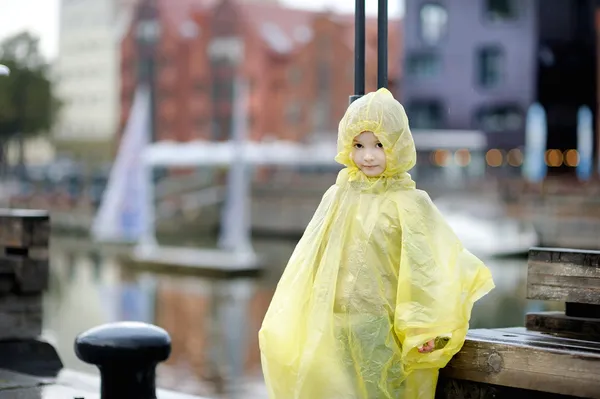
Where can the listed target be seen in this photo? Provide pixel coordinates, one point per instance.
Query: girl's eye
(357, 145)
(379, 145)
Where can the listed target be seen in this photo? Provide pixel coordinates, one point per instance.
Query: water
(91, 285)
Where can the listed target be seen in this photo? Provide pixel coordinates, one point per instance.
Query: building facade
(481, 64)
(298, 66)
(87, 75)
(469, 65)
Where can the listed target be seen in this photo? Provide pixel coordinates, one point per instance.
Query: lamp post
(359, 50)
(382, 44)
(4, 71)
(148, 35)
(359, 47)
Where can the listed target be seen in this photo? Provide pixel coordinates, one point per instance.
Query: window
(144, 69)
(500, 118)
(201, 122)
(423, 65)
(200, 87)
(148, 31)
(166, 61)
(293, 112)
(434, 22)
(424, 114)
(295, 75)
(501, 10)
(320, 114)
(490, 65)
(324, 44)
(323, 76)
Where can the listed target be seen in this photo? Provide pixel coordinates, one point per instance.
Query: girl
(378, 293)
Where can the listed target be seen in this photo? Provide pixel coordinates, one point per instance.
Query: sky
(41, 16)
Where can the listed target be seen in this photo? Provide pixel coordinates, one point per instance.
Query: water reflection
(91, 286)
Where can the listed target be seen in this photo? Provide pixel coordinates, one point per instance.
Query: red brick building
(298, 65)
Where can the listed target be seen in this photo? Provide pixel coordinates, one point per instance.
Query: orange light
(554, 158)
(441, 157)
(462, 157)
(515, 157)
(494, 158)
(572, 158)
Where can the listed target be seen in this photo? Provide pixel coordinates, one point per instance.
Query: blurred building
(481, 64)
(87, 75)
(299, 67)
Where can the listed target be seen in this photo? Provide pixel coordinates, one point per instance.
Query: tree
(27, 104)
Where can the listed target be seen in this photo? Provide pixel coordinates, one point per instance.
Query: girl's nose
(368, 156)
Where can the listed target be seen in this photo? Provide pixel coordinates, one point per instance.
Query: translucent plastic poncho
(377, 273)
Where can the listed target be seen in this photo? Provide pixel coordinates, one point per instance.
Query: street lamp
(4, 71)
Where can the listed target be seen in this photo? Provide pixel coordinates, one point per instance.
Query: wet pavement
(69, 384)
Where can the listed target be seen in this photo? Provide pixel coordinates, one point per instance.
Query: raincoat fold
(377, 273)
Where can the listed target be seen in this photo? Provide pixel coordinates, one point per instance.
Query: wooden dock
(556, 355)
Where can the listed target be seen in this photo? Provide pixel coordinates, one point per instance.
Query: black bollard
(126, 354)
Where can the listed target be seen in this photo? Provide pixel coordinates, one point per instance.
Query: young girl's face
(368, 154)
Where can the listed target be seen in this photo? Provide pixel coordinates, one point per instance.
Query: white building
(87, 72)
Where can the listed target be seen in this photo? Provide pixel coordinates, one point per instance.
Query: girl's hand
(427, 347)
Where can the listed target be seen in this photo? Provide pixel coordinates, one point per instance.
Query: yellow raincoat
(377, 273)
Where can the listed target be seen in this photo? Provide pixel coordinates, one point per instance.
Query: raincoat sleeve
(438, 283)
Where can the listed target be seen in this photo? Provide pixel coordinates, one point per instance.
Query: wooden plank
(562, 325)
(449, 388)
(30, 356)
(528, 361)
(24, 228)
(565, 256)
(20, 316)
(550, 341)
(24, 269)
(557, 274)
(23, 275)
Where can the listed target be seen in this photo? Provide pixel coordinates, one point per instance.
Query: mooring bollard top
(129, 342)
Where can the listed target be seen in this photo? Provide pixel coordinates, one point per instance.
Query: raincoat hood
(377, 273)
(380, 113)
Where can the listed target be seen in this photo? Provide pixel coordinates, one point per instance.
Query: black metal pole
(382, 44)
(359, 50)
(147, 44)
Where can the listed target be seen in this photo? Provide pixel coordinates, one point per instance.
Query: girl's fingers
(427, 347)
